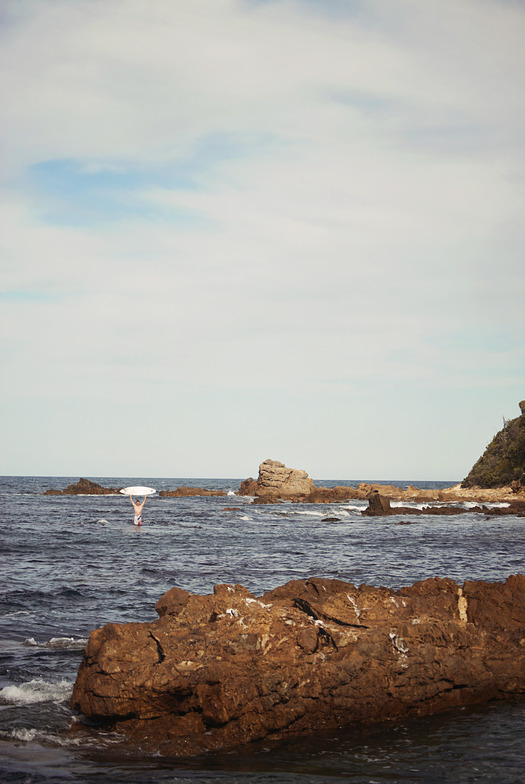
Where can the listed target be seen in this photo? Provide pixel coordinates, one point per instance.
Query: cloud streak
(284, 211)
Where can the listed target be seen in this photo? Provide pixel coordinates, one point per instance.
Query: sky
(234, 230)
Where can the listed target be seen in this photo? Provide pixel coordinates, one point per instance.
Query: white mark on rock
(399, 644)
(354, 605)
(462, 606)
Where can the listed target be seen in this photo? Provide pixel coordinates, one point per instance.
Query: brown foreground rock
(219, 670)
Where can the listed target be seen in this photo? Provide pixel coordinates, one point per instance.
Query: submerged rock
(185, 492)
(228, 668)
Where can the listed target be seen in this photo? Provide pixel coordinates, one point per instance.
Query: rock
(185, 492)
(228, 668)
(84, 487)
(330, 495)
(377, 505)
(275, 479)
(248, 487)
(503, 462)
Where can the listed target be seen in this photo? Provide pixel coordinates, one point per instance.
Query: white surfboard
(138, 490)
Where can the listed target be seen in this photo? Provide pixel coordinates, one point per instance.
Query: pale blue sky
(240, 229)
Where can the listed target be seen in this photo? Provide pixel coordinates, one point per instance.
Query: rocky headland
(228, 668)
(503, 461)
(276, 483)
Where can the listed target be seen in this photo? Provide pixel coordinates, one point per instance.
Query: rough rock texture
(503, 462)
(84, 487)
(378, 505)
(330, 495)
(183, 492)
(275, 479)
(248, 487)
(219, 670)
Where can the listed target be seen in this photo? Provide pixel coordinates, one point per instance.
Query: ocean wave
(68, 643)
(15, 613)
(311, 512)
(495, 505)
(35, 691)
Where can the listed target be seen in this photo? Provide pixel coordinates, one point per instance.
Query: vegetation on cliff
(503, 462)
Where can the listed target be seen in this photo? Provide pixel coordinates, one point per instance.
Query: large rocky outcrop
(229, 668)
(275, 480)
(503, 462)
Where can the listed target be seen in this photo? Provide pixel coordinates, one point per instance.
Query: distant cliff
(503, 462)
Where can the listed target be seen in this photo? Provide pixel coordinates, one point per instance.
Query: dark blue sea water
(70, 564)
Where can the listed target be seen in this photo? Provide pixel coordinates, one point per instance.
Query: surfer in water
(138, 510)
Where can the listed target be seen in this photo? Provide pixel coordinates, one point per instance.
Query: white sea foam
(34, 735)
(35, 691)
(68, 643)
(311, 512)
(408, 504)
(230, 492)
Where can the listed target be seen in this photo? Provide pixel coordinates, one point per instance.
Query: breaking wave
(35, 691)
(61, 643)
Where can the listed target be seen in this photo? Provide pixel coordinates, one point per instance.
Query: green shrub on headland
(503, 462)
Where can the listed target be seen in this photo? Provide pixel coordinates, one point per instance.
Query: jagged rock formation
(219, 670)
(277, 481)
(84, 487)
(503, 462)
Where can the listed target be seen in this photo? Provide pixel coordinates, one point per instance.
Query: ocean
(69, 564)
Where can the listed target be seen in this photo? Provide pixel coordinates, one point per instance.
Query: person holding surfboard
(138, 490)
(138, 510)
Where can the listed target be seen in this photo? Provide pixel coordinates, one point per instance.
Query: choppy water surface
(70, 564)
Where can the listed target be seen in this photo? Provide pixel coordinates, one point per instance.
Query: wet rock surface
(379, 506)
(228, 668)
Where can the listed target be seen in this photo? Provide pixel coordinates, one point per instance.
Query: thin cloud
(224, 200)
